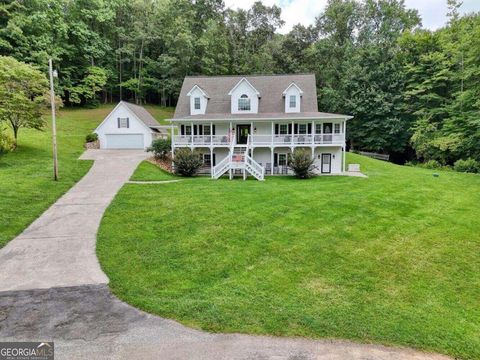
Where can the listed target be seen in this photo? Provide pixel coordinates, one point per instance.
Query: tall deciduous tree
(22, 90)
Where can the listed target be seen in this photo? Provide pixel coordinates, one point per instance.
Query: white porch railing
(200, 140)
(260, 140)
(254, 168)
(222, 167)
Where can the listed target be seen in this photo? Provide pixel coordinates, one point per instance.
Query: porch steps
(239, 161)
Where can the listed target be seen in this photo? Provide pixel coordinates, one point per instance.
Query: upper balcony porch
(261, 134)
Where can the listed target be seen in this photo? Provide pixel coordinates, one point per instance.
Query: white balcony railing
(199, 140)
(261, 140)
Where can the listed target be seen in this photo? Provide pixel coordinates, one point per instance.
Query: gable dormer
(198, 100)
(244, 98)
(293, 97)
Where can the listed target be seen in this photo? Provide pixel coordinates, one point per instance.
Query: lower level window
(207, 160)
(282, 159)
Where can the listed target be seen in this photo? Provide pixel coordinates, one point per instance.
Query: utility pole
(54, 125)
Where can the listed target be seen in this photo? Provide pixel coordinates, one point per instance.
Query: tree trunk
(140, 60)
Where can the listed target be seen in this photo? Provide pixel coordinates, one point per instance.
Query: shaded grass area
(392, 258)
(147, 171)
(26, 184)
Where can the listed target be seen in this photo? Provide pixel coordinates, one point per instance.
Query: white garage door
(125, 141)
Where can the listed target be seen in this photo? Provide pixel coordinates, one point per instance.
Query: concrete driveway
(52, 288)
(58, 249)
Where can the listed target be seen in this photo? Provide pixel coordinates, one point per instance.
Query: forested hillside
(414, 93)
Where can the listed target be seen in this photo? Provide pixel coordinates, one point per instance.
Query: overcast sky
(433, 12)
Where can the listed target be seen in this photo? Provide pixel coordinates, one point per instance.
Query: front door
(326, 163)
(242, 133)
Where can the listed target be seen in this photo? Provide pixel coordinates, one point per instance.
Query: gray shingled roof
(271, 103)
(142, 114)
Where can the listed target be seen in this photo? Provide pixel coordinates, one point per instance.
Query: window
(318, 128)
(196, 103)
(206, 130)
(293, 101)
(244, 103)
(337, 128)
(123, 123)
(207, 160)
(188, 130)
(282, 159)
(283, 129)
(302, 128)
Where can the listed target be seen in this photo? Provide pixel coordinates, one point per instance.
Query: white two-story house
(250, 124)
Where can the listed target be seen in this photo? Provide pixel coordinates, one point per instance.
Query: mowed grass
(26, 175)
(390, 259)
(147, 171)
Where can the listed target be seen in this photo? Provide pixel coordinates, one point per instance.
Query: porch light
(255, 129)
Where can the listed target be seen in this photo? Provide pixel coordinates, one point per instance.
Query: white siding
(197, 93)
(244, 88)
(336, 158)
(292, 91)
(110, 126)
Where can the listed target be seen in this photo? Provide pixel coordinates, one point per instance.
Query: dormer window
(244, 103)
(293, 101)
(293, 95)
(198, 100)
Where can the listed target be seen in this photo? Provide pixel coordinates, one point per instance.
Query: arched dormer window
(243, 103)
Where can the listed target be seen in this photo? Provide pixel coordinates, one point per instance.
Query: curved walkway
(52, 288)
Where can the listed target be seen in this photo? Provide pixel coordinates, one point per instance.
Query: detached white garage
(128, 126)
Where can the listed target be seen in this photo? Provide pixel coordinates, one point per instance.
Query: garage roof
(142, 114)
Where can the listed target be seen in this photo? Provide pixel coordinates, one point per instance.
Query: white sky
(432, 12)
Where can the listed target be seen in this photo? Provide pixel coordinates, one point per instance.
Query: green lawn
(392, 258)
(147, 171)
(26, 184)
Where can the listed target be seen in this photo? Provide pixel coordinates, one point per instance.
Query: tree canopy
(412, 92)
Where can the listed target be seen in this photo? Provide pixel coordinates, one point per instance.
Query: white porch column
(293, 132)
(344, 157)
(312, 133)
(211, 161)
(313, 152)
(191, 129)
(230, 131)
(273, 131)
(272, 148)
(211, 133)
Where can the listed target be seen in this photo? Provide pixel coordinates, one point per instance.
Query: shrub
(432, 165)
(301, 163)
(91, 137)
(7, 143)
(160, 148)
(470, 166)
(187, 162)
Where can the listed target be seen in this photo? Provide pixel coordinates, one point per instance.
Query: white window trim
(197, 103)
(294, 98)
(244, 97)
(278, 158)
(306, 129)
(203, 159)
(280, 129)
(123, 123)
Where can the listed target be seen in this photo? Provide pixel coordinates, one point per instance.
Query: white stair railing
(222, 167)
(254, 168)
